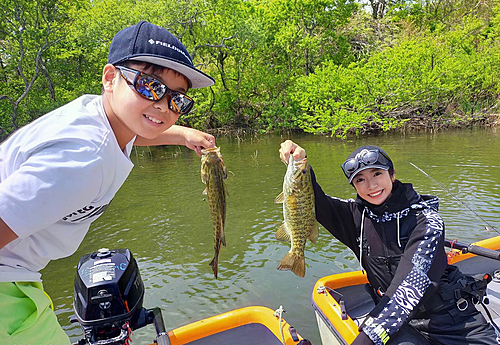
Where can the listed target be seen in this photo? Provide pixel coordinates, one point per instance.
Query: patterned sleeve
(421, 267)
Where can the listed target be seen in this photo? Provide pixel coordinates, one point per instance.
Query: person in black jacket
(398, 236)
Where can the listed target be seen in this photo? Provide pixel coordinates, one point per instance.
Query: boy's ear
(108, 77)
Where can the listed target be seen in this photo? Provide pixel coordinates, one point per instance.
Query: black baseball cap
(146, 42)
(366, 157)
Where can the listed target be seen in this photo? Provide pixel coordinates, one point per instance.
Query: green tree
(327, 66)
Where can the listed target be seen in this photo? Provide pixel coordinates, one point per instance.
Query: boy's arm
(180, 135)
(6, 234)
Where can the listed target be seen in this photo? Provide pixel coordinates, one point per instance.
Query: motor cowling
(108, 295)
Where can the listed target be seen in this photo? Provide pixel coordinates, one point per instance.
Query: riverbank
(424, 123)
(414, 123)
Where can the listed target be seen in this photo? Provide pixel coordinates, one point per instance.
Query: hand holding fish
(289, 147)
(197, 140)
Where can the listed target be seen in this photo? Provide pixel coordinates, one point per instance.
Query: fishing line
(489, 227)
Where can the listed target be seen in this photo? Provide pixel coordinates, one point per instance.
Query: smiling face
(129, 113)
(373, 185)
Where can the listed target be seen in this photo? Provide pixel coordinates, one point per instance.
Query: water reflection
(162, 217)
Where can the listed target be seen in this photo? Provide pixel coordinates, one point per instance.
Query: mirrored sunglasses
(154, 90)
(365, 157)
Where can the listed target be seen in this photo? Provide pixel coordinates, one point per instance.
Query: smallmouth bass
(213, 174)
(299, 215)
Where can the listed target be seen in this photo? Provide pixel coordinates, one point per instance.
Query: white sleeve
(52, 182)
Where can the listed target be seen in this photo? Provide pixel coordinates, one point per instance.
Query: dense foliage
(322, 66)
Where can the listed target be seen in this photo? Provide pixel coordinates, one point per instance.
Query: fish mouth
(300, 165)
(300, 162)
(210, 149)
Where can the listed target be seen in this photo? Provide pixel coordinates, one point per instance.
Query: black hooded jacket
(403, 252)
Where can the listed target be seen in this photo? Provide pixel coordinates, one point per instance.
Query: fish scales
(213, 174)
(299, 216)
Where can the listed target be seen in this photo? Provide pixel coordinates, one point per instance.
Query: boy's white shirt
(57, 175)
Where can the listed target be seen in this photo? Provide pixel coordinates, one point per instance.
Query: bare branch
(7, 98)
(221, 45)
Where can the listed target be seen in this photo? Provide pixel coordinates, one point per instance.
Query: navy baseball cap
(146, 42)
(366, 157)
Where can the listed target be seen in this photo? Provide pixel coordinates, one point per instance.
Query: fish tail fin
(215, 261)
(294, 263)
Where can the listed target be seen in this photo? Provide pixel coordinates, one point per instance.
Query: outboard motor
(108, 299)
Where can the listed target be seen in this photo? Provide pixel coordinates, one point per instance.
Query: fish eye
(304, 171)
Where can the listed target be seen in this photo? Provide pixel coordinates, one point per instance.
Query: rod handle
(473, 249)
(488, 253)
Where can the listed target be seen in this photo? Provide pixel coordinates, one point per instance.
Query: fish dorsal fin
(279, 199)
(282, 234)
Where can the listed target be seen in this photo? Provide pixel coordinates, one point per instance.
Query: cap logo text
(168, 45)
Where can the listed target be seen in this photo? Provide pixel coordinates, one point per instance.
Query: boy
(397, 235)
(59, 173)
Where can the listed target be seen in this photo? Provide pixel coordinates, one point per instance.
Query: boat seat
(249, 334)
(358, 302)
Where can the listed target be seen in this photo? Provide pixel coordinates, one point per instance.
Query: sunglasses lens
(150, 87)
(350, 165)
(154, 90)
(181, 104)
(370, 157)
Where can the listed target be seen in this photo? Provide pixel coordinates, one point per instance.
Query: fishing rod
(489, 227)
(473, 249)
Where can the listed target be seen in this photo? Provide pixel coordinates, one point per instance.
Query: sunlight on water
(162, 217)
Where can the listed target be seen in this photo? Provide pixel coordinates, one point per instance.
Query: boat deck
(253, 325)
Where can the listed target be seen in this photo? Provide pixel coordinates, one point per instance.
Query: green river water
(161, 215)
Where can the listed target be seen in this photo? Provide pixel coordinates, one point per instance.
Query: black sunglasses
(154, 90)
